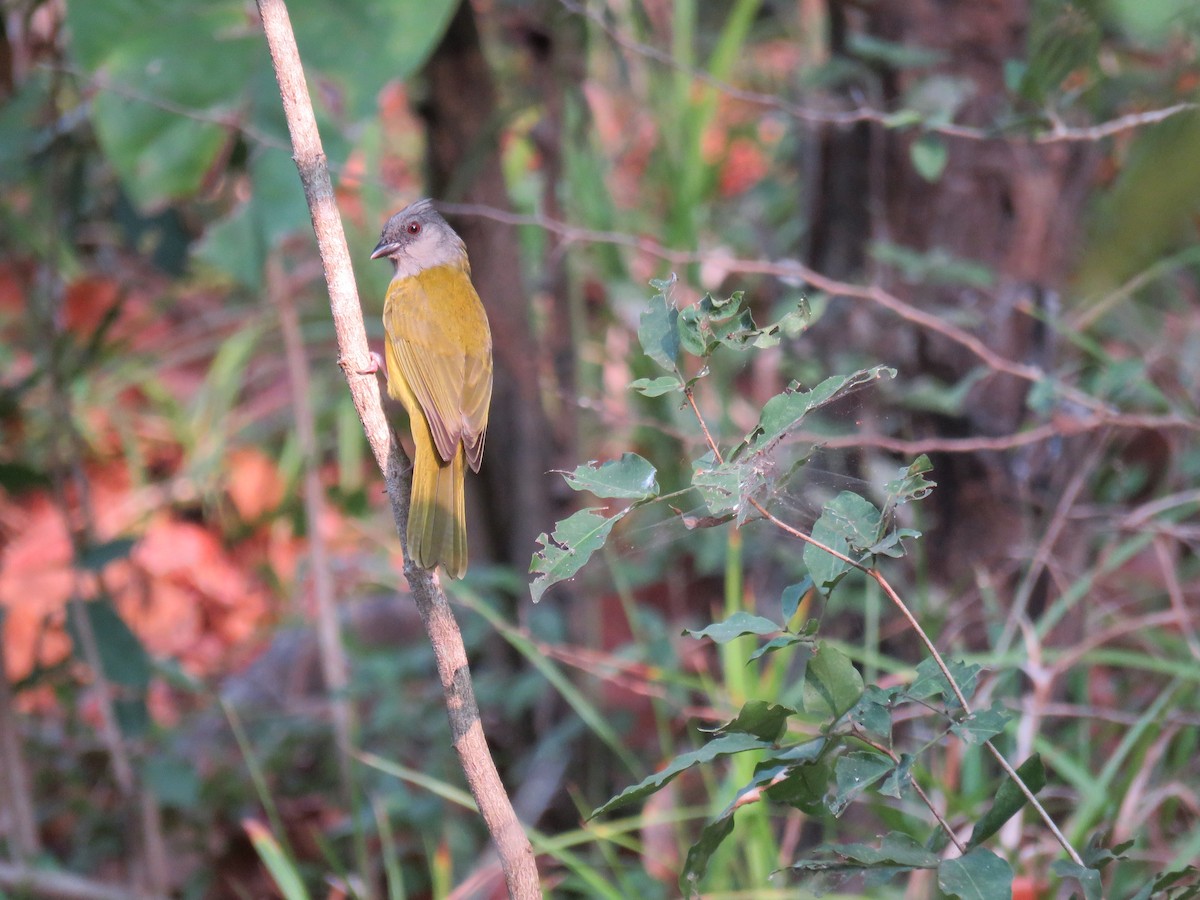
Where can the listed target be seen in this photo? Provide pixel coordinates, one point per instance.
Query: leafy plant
(840, 745)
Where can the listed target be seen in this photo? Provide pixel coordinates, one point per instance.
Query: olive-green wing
(440, 338)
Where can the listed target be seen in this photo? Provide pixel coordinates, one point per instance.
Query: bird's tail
(437, 519)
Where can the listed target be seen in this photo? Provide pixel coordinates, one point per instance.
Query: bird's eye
(414, 227)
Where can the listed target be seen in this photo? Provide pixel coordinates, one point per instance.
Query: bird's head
(418, 238)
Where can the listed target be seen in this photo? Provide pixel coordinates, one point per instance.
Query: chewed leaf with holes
(571, 545)
(849, 525)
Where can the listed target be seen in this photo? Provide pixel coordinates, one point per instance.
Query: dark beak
(383, 248)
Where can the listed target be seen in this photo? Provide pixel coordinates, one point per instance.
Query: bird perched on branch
(438, 359)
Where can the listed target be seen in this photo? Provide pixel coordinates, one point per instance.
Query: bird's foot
(376, 363)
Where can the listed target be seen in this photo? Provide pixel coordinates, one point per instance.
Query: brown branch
(516, 853)
(892, 755)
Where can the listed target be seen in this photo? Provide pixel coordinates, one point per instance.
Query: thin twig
(1175, 593)
(891, 754)
(512, 844)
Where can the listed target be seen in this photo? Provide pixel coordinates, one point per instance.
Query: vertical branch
(516, 854)
(331, 649)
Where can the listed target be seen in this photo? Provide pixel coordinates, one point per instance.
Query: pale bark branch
(516, 853)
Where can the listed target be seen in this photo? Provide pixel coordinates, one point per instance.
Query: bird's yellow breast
(439, 356)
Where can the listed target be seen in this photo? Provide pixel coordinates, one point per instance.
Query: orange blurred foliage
(254, 484)
(182, 591)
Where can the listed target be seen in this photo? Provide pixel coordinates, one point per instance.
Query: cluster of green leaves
(852, 754)
(837, 746)
(732, 487)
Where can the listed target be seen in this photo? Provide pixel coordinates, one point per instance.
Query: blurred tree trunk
(1010, 205)
(463, 121)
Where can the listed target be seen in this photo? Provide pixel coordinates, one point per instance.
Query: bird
(438, 362)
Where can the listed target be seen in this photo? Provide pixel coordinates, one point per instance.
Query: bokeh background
(998, 199)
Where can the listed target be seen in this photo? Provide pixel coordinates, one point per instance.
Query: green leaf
(854, 773)
(1165, 880)
(930, 682)
(1096, 856)
(760, 718)
(629, 478)
(1009, 800)
(902, 118)
(895, 849)
(929, 156)
(804, 753)
(97, 556)
(782, 642)
(803, 787)
(982, 725)
(133, 716)
(238, 245)
(736, 626)
(282, 869)
(892, 543)
(157, 58)
(122, 656)
(856, 519)
(928, 393)
(657, 330)
(848, 525)
(656, 387)
(873, 712)
(978, 875)
(831, 684)
(696, 865)
(171, 74)
(792, 595)
(396, 40)
(1089, 879)
(566, 551)
(899, 777)
(723, 746)
(692, 327)
(910, 483)
(784, 412)
(719, 484)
